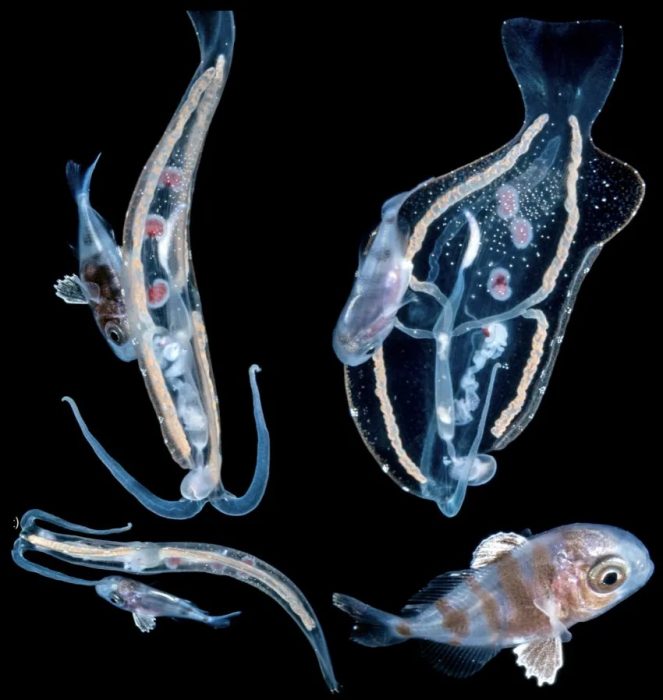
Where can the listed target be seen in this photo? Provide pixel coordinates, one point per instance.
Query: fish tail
(221, 621)
(563, 68)
(79, 181)
(373, 627)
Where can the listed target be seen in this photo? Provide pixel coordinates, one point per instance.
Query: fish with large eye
(520, 593)
(98, 283)
(146, 603)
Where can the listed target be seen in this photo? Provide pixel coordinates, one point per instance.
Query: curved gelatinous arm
(28, 525)
(18, 555)
(148, 558)
(233, 505)
(175, 510)
(31, 516)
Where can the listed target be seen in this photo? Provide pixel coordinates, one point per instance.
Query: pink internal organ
(157, 293)
(508, 202)
(521, 232)
(499, 284)
(154, 226)
(171, 178)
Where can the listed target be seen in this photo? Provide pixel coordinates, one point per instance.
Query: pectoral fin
(145, 623)
(541, 659)
(69, 289)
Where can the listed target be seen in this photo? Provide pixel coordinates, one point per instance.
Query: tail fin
(221, 621)
(372, 628)
(79, 181)
(563, 68)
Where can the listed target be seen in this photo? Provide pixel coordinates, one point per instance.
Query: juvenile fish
(519, 593)
(146, 604)
(98, 283)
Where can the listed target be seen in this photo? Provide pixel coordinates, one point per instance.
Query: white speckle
(354, 412)
(385, 468)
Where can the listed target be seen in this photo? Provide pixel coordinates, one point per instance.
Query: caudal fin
(563, 68)
(221, 621)
(372, 628)
(79, 181)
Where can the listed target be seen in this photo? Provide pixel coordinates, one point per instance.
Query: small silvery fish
(98, 282)
(520, 592)
(146, 604)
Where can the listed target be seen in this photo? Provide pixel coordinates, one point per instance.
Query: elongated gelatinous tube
(151, 558)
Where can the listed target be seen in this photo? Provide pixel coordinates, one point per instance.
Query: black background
(327, 113)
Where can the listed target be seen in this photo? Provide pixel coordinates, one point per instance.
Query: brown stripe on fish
(489, 606)
(455, 621)
(522, 616)
(544, 570)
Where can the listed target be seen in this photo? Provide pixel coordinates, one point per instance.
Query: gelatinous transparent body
(450, 341)
(160, 320)
(149, 558)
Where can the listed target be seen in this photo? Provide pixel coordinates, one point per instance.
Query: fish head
(118, 591)
(117, 335)
(599, 566)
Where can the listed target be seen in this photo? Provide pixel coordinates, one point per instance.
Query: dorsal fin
(437, 588)
(494, 547)
(457, 661)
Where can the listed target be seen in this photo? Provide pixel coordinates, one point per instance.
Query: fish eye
(114, 333)
(116, 599)
(607, 575)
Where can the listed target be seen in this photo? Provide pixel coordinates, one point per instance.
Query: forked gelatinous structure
(149, 558)
(463, 293)
(145, 299)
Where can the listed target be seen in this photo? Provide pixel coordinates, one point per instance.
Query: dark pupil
(114, 335)
(610, 579)
(116, 599)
